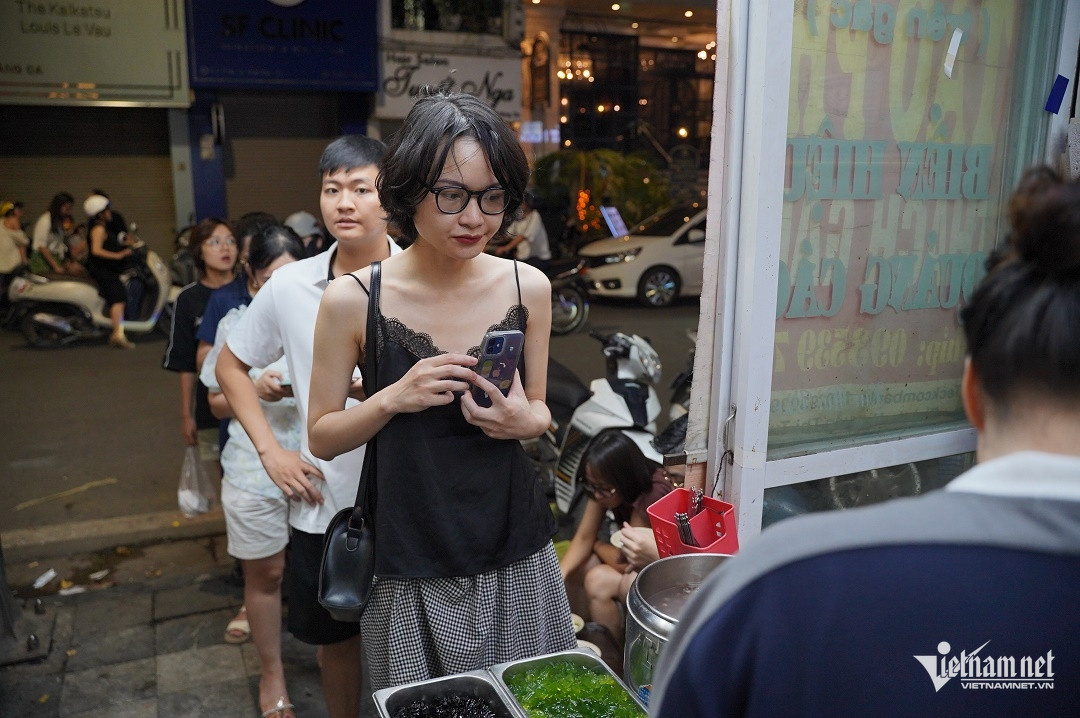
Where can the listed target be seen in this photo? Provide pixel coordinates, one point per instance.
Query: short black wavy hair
(418, 151)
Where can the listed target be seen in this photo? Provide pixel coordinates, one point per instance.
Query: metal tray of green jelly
(474, 684)
(582, 657)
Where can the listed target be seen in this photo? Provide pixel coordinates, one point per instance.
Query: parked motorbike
(673, 438)
(624, 400)
(56, 312)
(833, 493)
(569, 295)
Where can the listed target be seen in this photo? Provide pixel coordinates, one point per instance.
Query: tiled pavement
(150, 645)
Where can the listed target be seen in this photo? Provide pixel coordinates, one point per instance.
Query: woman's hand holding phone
(432, 381)
(508, 416)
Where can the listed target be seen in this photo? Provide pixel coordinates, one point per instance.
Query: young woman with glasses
(214, 252)
(619, 481)
(466, 573)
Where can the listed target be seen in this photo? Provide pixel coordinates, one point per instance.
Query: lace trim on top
(421, 345)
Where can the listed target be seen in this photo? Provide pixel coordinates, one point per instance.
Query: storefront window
(476, 16)
(849, 491)
(598, 85)
(899, 160)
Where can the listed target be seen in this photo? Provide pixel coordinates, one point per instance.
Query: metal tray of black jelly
(473, 684)
(582, 657)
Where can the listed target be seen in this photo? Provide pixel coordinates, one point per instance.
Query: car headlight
(628, 255)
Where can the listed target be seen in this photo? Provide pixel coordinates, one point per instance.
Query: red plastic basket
(713, 527)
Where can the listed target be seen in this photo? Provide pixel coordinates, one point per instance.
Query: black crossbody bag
(347, 571)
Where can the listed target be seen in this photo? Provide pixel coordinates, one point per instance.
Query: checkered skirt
(420, 628)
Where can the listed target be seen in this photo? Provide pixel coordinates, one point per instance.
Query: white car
(660, 260)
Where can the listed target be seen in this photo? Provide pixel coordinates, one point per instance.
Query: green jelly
(568, 690)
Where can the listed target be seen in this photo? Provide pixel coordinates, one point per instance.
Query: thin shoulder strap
(517, 279)
(360, 283)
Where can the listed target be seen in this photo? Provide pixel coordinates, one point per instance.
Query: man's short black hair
(349, 152)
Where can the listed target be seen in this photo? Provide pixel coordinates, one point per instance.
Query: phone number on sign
(839, 347)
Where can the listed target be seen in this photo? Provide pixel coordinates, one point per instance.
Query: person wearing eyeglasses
(214, 251)
(621, 484)
(466, 572)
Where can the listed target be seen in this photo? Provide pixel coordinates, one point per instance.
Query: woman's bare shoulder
(535, 286)
(349, 290)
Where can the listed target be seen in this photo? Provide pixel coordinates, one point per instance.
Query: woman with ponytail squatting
(466, 574)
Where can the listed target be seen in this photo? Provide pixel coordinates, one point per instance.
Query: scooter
(569, 295)
(624, 400)
(673, 438)
(56, 312)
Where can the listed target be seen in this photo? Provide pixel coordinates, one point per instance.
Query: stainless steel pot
(653, 605)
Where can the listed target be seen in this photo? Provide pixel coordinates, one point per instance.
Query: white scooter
(56, 312)
(622, 401)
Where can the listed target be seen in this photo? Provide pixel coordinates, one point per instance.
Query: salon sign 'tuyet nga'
(495, 80)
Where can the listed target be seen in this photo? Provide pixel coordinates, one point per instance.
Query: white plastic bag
(195, 493)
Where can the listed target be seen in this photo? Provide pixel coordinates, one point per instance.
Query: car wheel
(658, 286)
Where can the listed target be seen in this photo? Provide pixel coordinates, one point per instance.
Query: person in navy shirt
(959, 602)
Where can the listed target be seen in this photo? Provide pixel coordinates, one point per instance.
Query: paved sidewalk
(144, 641)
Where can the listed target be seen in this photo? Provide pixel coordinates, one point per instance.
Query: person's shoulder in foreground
(853, 613)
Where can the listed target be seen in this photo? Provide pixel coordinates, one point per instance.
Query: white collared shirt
(1031, 474)
(281, 321)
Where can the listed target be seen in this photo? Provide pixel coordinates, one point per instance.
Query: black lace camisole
(451, 501)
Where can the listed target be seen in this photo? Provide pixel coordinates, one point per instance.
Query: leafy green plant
(585, 179)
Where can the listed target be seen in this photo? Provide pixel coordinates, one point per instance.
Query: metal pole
(22, 637)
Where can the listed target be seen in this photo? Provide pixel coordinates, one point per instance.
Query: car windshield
(667, 222)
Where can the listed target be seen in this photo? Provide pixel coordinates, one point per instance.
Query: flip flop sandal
(238, 630)
(279, 709)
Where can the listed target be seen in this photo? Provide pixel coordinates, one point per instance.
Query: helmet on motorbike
(94, 205)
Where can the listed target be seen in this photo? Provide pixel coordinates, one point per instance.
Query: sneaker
(121, 342)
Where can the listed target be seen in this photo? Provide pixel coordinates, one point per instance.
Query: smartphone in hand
(499, 355)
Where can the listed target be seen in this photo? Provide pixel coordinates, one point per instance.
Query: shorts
(307, 620)
(257, 526)
(209, 448)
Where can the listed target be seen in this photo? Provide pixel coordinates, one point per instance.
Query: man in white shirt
(528, 236)
(281, 321)
(13, 240)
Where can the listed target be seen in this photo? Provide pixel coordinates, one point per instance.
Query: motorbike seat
(555, 267)
(564, 389)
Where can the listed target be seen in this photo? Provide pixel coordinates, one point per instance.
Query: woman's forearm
(333, 433)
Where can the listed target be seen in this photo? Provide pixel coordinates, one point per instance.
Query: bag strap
(370, 338)
(365, 491)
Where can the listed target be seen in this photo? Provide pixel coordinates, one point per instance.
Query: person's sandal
(238, 630)
(279, 709)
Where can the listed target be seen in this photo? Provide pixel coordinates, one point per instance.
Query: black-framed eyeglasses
(599, 492)
(452, 200)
